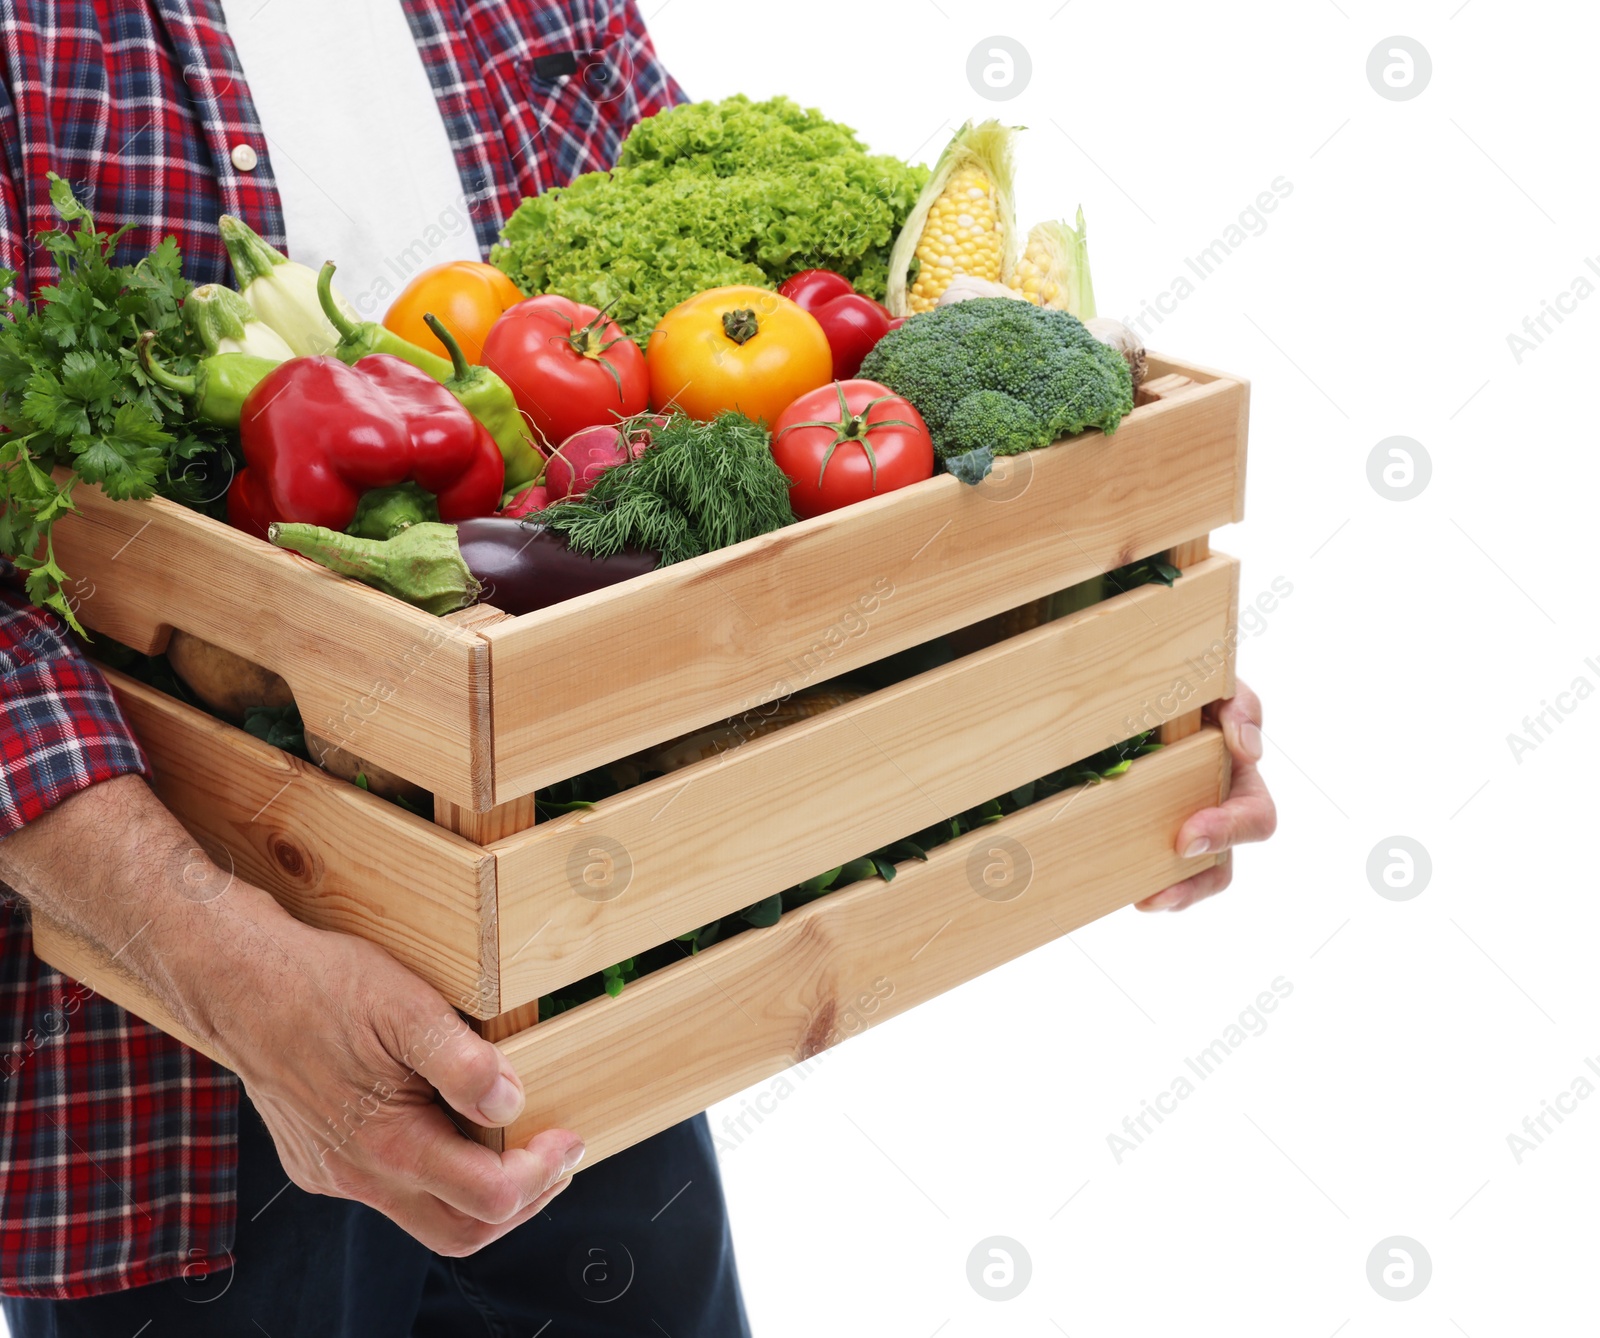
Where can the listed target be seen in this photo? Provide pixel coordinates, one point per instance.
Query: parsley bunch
(73, 395)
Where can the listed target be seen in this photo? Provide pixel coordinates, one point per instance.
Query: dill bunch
(697, 488)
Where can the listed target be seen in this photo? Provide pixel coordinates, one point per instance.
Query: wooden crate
(483, 712)
(483, 709)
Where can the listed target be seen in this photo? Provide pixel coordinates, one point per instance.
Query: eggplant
(523, 566)
(515, 565)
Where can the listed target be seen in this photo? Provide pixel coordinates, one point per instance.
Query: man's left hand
(1248, 814)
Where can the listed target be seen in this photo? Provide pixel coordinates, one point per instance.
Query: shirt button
(244, 158)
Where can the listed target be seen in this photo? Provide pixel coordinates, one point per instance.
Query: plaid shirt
(117, 1149)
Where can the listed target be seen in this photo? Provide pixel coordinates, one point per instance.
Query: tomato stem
(589, 341)
(851, 427)
(741, 326)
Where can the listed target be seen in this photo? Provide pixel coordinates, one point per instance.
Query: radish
(586, 454)
(525, 501)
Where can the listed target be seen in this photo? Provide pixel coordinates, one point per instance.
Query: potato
(229, 684)
(346, 765)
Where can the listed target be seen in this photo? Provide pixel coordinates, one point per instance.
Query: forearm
(339, 1047)
(112, 868)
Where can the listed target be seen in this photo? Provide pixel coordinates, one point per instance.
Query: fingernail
(1164, 901)
(1197, 847)
(1250, 741)
(504, 1102)
(571, 1161)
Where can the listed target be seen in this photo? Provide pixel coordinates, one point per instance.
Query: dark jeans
(638, 1246)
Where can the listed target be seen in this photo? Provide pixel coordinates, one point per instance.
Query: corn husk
(987, 147)
(1053, 270)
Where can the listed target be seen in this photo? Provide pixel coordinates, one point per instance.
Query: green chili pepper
(361, 339)
(493, 405)
(219, 385)
(482, 391)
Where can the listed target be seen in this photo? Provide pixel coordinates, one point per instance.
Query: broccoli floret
(1003, 374)
(994, 419)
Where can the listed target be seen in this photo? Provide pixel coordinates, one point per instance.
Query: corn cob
(964, 223)
(1054, 269)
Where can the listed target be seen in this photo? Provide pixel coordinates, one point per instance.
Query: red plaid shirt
(116, 1143)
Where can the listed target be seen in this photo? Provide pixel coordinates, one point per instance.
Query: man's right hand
(345, 1073)
(340, 1048)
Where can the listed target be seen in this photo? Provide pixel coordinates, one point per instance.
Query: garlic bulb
(1120, 337)
(964, 287)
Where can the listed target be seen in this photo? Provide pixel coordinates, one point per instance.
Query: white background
(1419, 1034)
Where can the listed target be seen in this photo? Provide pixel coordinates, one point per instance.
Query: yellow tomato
(736, 348)
(467, 295)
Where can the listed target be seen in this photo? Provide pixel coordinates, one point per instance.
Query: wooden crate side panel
(617, 1071)
(1161, 366)
(333, 855)
(1241, 466)
(810, 602)
(1158, 365)
(406, 690)
(709, 840)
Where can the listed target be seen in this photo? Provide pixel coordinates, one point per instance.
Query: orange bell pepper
(467, 295)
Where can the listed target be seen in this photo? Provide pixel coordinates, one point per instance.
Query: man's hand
(340, 1048)
(345, 1075)
(1248, 814)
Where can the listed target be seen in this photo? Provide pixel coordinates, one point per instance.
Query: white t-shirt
(356, 141)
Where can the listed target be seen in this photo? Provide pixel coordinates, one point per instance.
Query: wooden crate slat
(815, 600)
(333, 855)
(1184, 556)
(618, 1070)
(709, 840)
(1158, 365)
(400, 687)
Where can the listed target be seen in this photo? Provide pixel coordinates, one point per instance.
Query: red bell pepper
(853, 323)
(318, 435)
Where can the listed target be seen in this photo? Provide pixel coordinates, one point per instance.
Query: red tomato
(568, 366)
(847, 442)
(812, 288)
